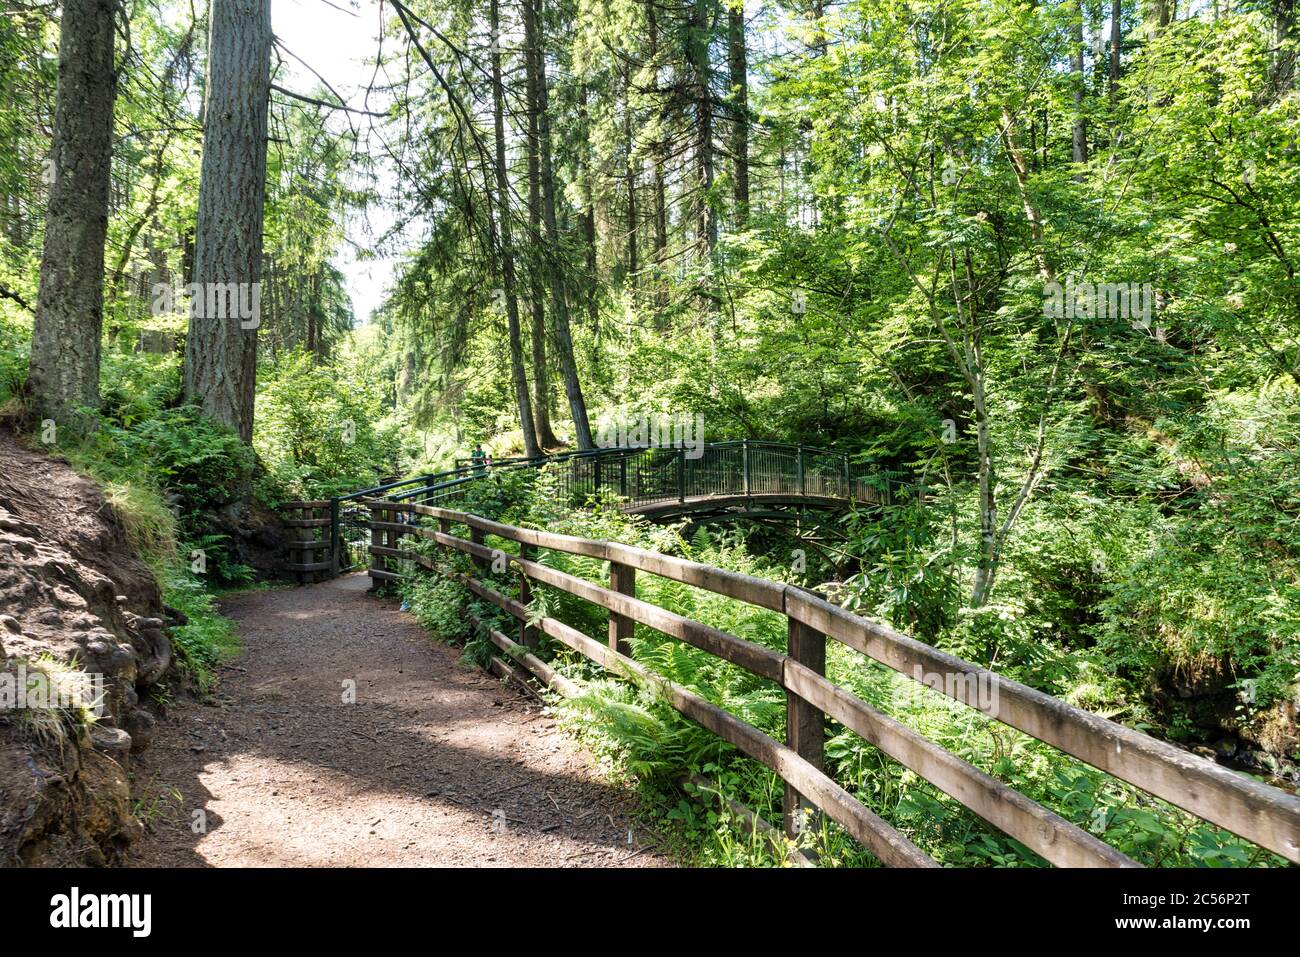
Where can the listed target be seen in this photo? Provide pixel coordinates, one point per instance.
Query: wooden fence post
(334, 558)
(377, 562)
(622, 579)
(307, 555)
(476, 536)
(527, 635)
(805, 725)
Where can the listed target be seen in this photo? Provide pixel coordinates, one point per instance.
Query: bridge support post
(805, 725)
(681, 475)
(527, 635)
(744, 464)
(622, 579)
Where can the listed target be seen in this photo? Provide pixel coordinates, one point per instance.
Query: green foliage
(644, 741)
(317, 428)
(15, 349)
(207, 639)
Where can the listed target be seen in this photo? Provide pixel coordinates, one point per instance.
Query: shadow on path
(435, 763)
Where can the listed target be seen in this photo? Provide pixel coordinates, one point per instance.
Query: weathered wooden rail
(1265, 815)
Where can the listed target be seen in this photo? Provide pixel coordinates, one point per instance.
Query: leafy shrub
(316, 428)
(643, 740)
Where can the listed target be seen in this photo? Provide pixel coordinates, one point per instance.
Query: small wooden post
(476, 536)
(622, 579)
(805, 725)
(527, 635)
(334, 558)
(377, 562)
(306, 556)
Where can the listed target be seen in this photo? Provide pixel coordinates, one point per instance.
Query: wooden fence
(310, 556)
(1265, 815)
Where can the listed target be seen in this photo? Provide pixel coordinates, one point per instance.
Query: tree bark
(659, 190)
(1080, 82)
(70, 304)
(559, 300)
(1285, 38)
(629, 182)
(541, 377)
(1116, 45)
(221, 352)
(700, 34)
(587, 218)
(507, 253)
(738, 62)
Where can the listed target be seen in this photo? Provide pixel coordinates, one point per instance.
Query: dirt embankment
(71, 592)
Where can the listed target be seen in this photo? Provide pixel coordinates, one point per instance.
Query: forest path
(411, 774)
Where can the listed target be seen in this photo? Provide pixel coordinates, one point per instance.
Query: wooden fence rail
(1265, 815)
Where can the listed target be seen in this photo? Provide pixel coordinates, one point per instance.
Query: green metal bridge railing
(646, 479)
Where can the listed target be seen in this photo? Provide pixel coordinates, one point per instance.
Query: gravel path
(435, 764)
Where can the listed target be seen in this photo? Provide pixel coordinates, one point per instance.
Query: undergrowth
(643, 742)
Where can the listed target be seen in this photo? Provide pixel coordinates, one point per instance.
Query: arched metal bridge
(716, 481)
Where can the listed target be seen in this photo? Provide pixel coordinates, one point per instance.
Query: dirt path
(411, 774)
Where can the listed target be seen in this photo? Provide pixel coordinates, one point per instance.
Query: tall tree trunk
(738, 62)
(536, 296)
(629, 181)
(1116, 45)
(517, 374)
(1286, 37)
(701, 31)
(70, 305)
(1080, 83)
(700, 34)
(1156, 15)
(559, 301)
(659, 190)
(986, 571)
(221, 349)
(587, 217)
